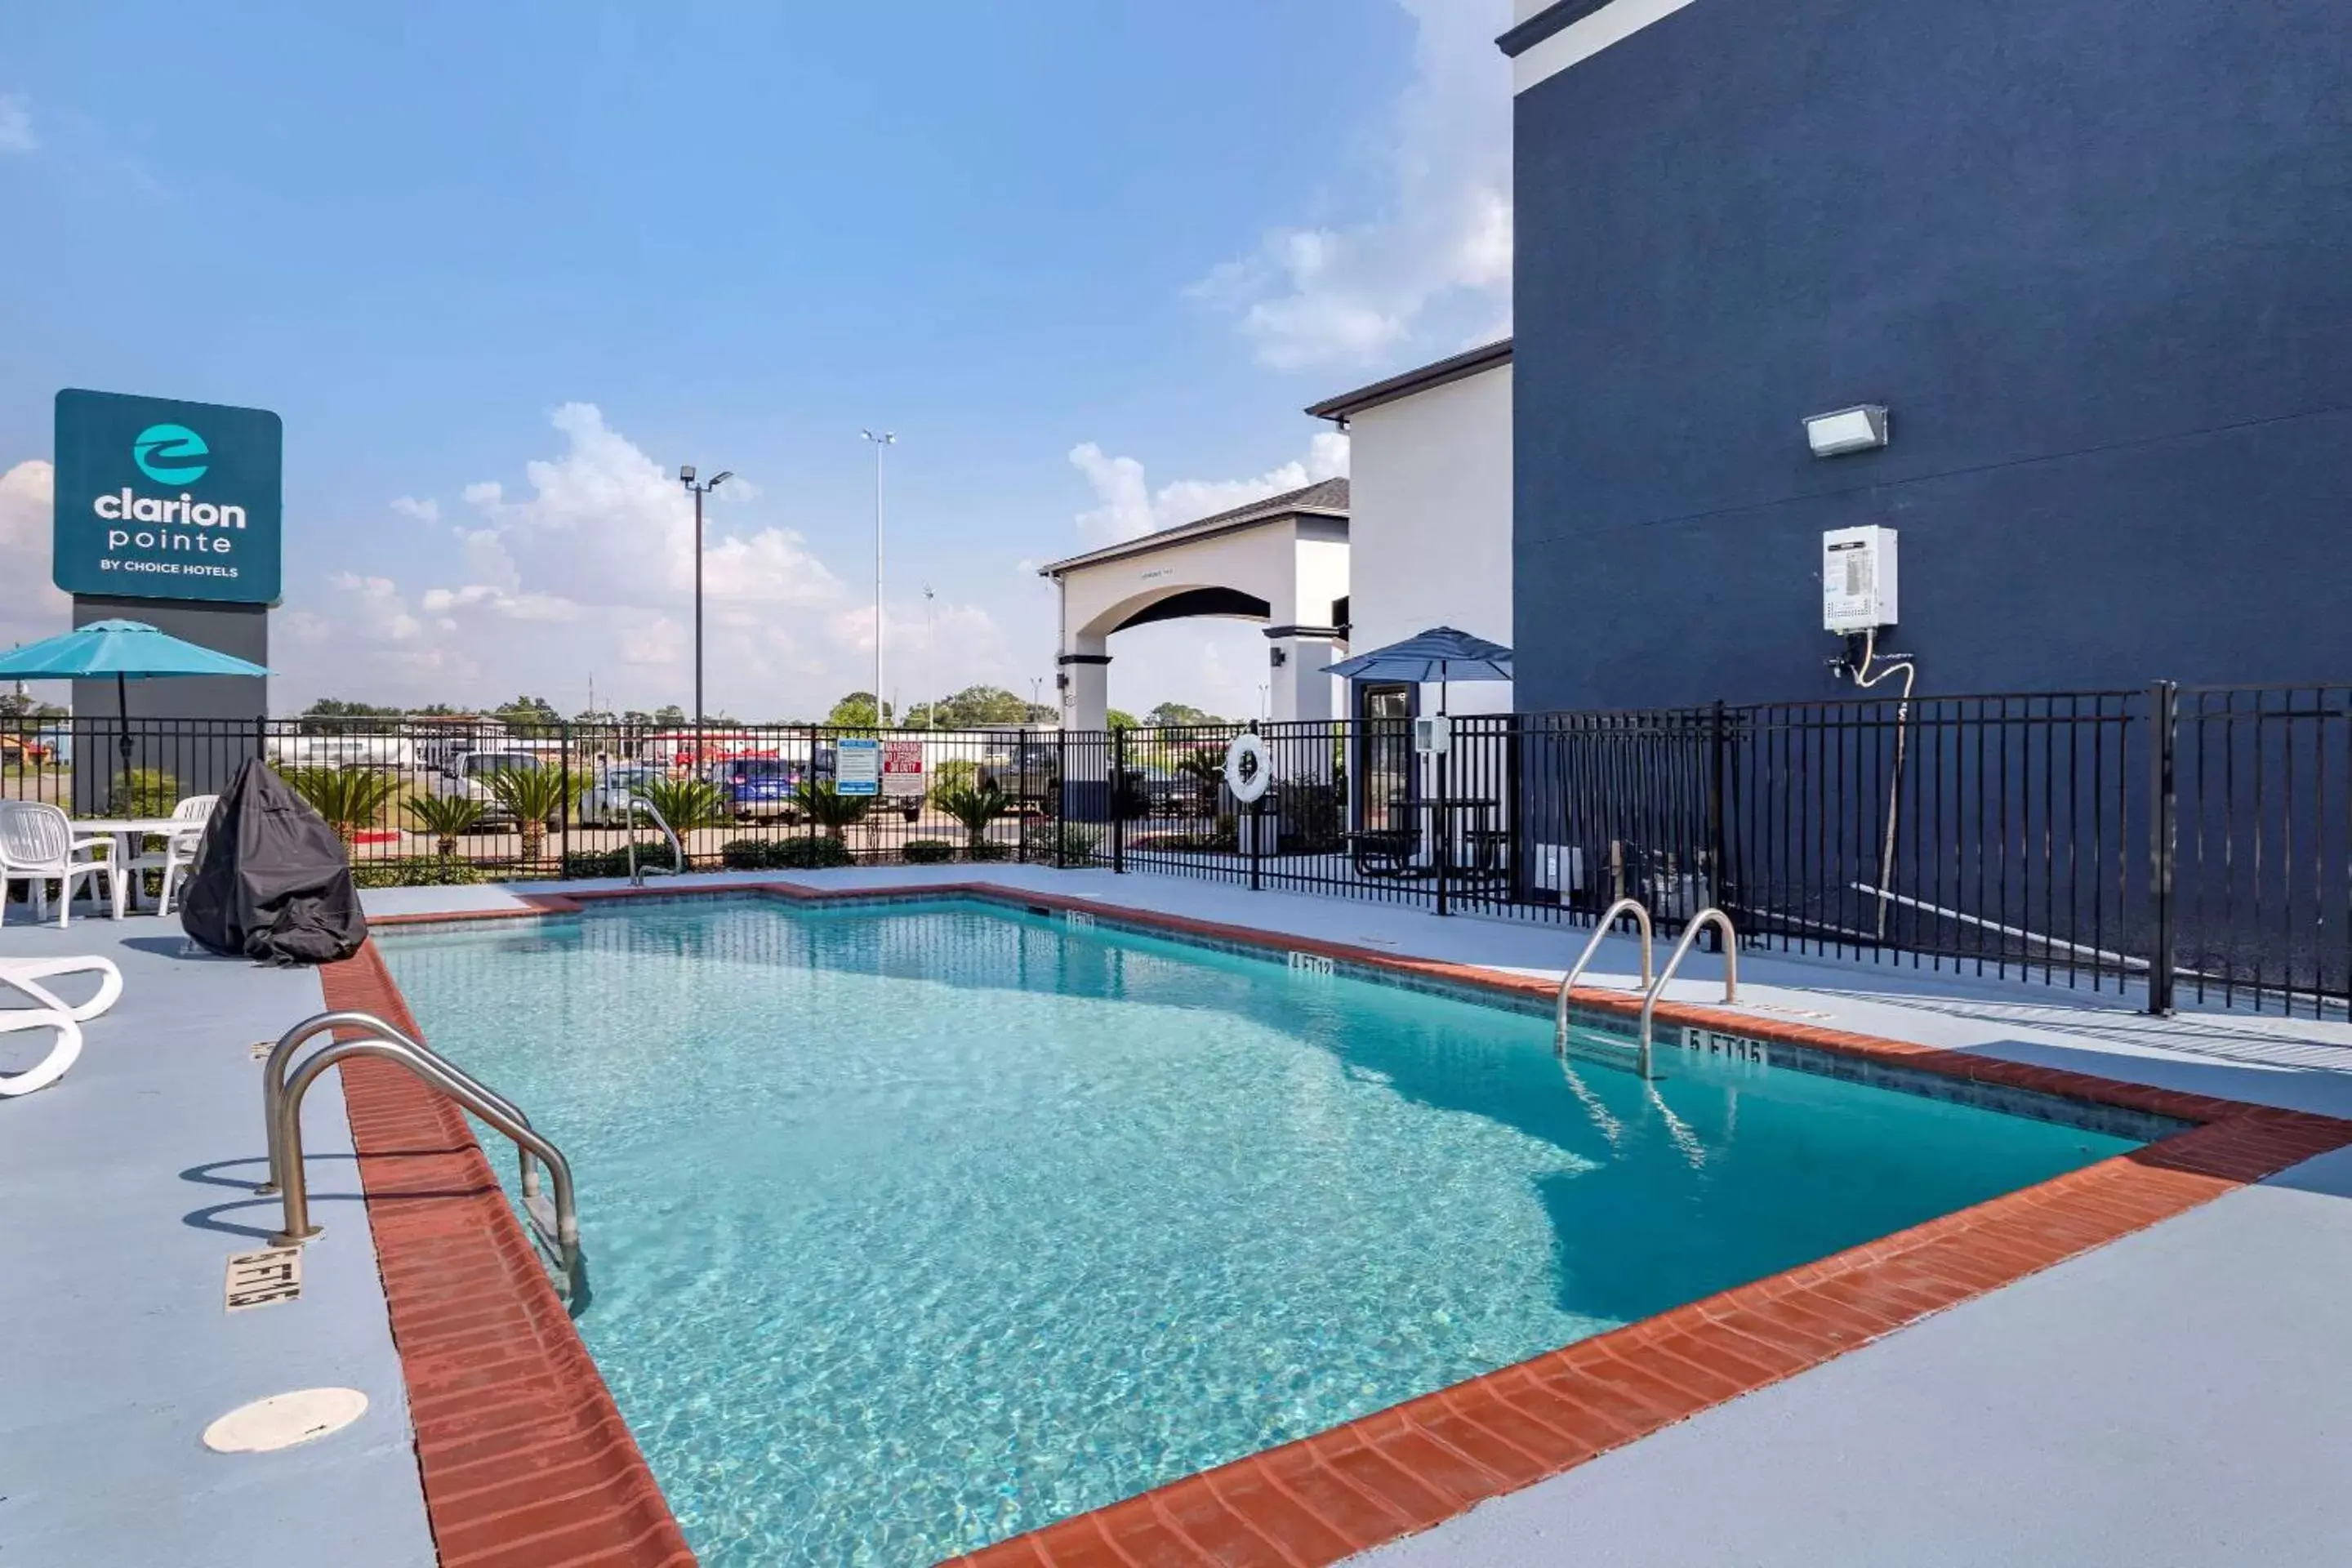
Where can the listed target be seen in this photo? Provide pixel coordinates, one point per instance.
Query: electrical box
(1858, 579)
(1433, 733)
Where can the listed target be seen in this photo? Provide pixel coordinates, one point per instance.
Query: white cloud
(1435, 266)
(421, 510)
(588, 569)
(1129, 507)
(31, 605)
(17, 124)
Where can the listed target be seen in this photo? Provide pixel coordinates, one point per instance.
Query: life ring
(1247, 772)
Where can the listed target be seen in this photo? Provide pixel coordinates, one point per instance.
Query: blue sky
(503, 268)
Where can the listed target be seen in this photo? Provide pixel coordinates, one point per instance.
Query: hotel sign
(162, 500)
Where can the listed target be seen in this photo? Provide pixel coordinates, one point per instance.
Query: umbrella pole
(122, 715)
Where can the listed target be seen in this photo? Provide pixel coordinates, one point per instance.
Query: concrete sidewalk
(124, 1188)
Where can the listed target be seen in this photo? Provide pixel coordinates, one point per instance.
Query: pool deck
(2172, 1397)
(124, 1189)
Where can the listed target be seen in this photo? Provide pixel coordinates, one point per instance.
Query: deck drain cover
(283, 1420)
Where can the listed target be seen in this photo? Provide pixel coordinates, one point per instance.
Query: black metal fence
(2174, 842)
(425, 802)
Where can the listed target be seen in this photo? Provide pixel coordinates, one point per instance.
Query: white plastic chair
(49, 1068)
(31, 976)
(38, 845)
(179, 851)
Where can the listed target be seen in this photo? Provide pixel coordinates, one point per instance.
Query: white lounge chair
(179, 851)
(49, 1068)
(31, 976)
(38, 845)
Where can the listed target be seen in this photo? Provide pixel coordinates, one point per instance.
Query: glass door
(1384, 755)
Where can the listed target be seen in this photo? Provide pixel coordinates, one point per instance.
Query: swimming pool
(916, 1225)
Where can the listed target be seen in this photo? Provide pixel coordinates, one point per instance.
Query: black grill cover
(271, 879)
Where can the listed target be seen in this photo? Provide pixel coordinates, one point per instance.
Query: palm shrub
(685, 804)
(951, 774)
(1206, 768)
(349, 798)
(823, 802)
(975, 806)
(532, 795)
(447, 817)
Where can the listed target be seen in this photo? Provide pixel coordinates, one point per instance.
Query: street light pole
(686, 477)
(931, 657)
(886, 438)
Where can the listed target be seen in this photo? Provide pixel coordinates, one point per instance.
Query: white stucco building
(1429, 533)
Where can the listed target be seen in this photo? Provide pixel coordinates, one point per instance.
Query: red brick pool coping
(526, 1461)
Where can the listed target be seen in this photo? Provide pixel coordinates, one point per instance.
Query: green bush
(744, 855)
(1076, 841)
(784, 854)
(988, 851)
(809, 854)
(928, 851)
(1313, 817)
(584, 864)
(144, 792)
(414, 871)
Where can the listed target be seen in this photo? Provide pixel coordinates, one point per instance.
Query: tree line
(974, 708)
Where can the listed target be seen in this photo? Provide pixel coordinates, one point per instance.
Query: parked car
(1027, 771)
(469, 777)
(759, 787)
(1150, 790)
(605, 803)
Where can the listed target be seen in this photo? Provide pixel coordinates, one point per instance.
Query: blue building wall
(2095, 256)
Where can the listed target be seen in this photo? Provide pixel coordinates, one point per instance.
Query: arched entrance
(1282, 563)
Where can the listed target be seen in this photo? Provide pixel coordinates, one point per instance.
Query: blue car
(759, 787)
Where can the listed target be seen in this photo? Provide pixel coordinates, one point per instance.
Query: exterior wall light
(1855, 429)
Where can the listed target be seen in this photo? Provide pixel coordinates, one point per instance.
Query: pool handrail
(282, 1103)
(1706, 917)
(677, 850)
(273, 1085)
(1576, 971)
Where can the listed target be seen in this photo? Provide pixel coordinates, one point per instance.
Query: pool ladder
(552, 1219)
(677, 850)
(1651, 988)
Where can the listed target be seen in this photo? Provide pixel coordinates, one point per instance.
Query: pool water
(915, 1227)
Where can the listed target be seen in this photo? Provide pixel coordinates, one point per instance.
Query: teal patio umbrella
(1441, 654)
(127, 650)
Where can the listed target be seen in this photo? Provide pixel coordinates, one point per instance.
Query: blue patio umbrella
(127, 650)
(1439, 654)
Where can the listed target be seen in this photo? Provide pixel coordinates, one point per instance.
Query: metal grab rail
(283, 1104)
(1576, 971)
(273, 1086)
(1709, 916)
(677, 850)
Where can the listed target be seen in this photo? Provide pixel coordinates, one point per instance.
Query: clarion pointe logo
(212, 533)
(161, 452)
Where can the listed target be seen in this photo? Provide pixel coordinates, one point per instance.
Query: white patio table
(127, 831)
